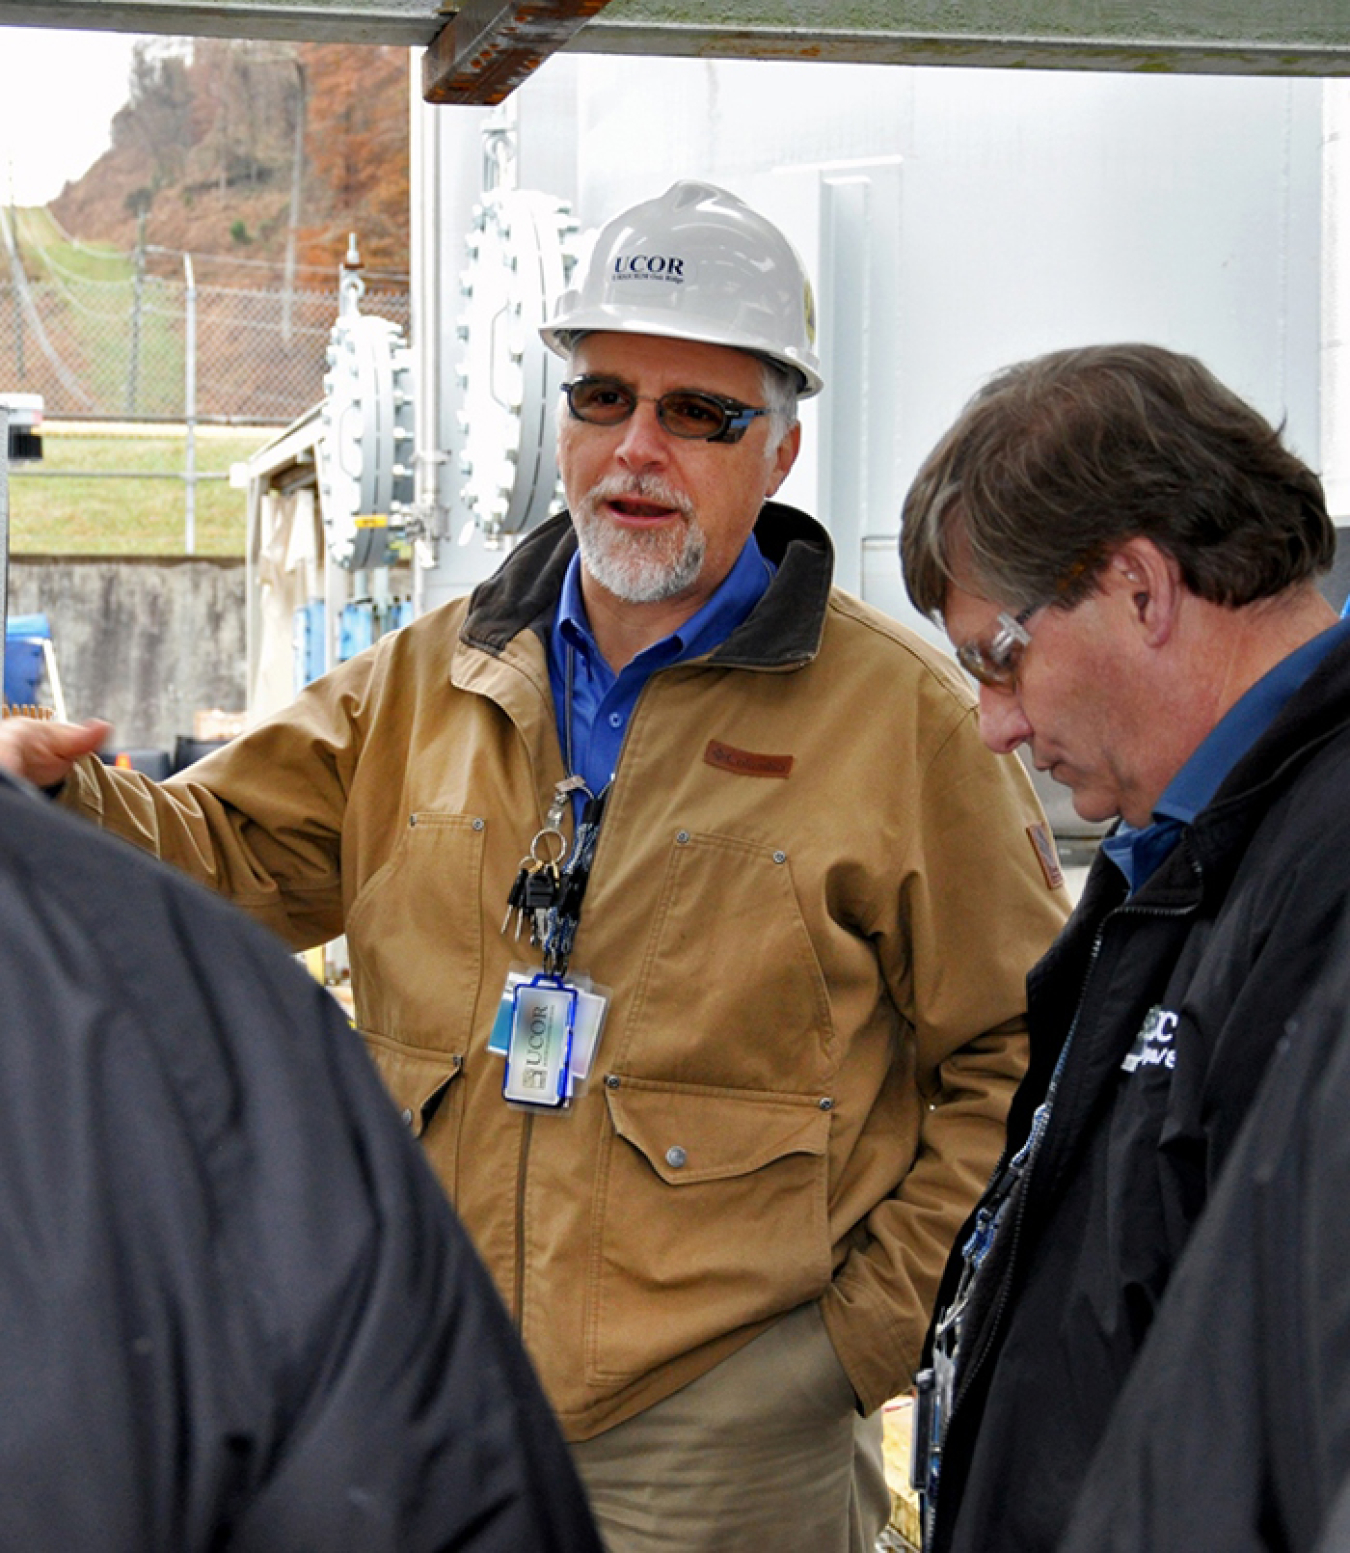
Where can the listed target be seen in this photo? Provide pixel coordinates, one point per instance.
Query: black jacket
(1172, 1003)
(1233, 1431)
(235, 1310)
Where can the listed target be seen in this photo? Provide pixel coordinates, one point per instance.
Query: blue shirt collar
(1241, 726)
(602, 702)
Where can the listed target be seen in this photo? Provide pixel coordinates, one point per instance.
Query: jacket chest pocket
(710, 1214)
(415, 934)
(731, 990)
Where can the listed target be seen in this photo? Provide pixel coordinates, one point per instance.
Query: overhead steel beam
(492, 46)
(412, 23)
(489, 46)
(1235, 37)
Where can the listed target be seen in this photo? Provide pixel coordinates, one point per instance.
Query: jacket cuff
(79, 790)
(872, 1346)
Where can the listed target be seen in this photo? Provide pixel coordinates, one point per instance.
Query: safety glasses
(997, 661)
(684, 412)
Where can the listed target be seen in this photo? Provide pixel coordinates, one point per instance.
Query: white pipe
(1336, 296)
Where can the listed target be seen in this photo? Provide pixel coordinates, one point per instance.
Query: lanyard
(564, 915)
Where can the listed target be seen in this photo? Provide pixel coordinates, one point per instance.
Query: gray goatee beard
(642, 566)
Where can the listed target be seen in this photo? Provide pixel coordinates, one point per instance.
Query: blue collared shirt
(1138, 852)
(602, 701)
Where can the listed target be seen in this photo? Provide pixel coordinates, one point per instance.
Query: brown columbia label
(1046, 855)
(746, 762)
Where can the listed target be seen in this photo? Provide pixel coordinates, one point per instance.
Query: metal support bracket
(493, 45)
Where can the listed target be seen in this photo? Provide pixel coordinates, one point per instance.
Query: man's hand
(43, 752)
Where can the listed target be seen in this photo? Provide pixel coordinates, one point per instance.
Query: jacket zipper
(1040, 1126)
(522, 1171)
(528, 1120)
(517, 1312)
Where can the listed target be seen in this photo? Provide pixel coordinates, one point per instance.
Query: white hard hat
(696, 264)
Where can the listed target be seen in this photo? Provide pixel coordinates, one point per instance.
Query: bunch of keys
(535, 890)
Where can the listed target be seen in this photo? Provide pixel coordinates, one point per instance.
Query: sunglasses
(684, 412)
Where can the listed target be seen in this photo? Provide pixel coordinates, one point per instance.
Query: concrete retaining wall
(144, 642)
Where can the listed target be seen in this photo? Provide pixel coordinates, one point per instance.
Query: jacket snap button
(407, 1118)
(780, 857)
(827, 1104)
(676, 1157)
(682, 837)
(611, 1080)
(480, 824)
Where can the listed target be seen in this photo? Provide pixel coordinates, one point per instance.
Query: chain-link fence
(119, 347)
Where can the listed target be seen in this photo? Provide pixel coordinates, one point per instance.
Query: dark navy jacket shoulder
(237, 1311)
(1233, 1430)
(1170, 1004)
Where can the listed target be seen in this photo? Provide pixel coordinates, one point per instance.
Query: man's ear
(1148, 581)
(785, 455)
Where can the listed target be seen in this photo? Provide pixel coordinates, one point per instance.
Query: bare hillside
(205, 150)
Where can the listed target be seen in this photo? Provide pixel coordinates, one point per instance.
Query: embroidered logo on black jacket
(1153, 1046)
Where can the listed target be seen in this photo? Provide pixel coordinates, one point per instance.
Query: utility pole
(137, 302)
(297, 183)
(190, 407)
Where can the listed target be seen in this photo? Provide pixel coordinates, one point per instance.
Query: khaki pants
(764, 1454)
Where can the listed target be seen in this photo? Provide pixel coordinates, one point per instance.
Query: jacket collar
(783, 630)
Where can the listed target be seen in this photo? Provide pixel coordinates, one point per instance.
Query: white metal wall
(955, 220)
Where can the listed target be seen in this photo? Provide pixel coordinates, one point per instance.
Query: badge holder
(588, 1019)
(539, 1052)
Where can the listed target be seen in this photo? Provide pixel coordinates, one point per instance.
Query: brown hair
(1057, 461)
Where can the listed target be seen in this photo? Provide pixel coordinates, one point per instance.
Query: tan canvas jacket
(816, 960)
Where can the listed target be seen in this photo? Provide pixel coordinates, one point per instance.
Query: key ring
(556, 859)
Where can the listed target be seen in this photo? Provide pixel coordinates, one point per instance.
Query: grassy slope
(121, 516)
